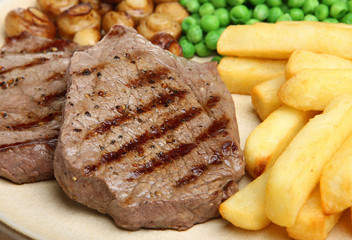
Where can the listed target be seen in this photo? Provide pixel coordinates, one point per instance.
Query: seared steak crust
(32, 93)
(147, 137)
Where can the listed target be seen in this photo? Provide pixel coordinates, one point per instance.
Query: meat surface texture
(32, 94)
(147, 137)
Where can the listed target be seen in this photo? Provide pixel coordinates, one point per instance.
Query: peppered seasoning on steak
(147, 137)
(32, 93)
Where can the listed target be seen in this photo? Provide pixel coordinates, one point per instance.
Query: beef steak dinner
(147, 137)
(32, 93)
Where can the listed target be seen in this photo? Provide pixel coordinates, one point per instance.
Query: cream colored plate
(42, 210)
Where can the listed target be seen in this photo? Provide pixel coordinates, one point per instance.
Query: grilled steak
(32, 93)
(147, 137)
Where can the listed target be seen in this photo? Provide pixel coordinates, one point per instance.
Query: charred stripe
(51, 142)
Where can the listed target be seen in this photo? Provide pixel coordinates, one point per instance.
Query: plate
(42, 210)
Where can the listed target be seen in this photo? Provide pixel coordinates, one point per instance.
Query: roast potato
(31, 20)
(53, 8)
(137, 9)
(121, 18)
(168, 42)
(78, 17)
(156, 23)
(174, 10)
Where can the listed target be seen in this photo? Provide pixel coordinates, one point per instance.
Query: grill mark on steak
(88, 71)
(147, 77)
(213, 101)
(217, 127)
(51, 142)
(163, 100)
(217, 158)
(51, 97)
(56, 76)
(36, 61)
(137, 143)
(36, 123)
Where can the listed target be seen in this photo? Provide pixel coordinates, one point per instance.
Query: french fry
(336, 180)
(300, 60)
(298, 169)
(264, 96)
(280, 40)
(246, 208)
(241, 74)
(312, 222)
(269, 139)
(312, 89)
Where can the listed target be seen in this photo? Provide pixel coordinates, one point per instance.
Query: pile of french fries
(299, 75)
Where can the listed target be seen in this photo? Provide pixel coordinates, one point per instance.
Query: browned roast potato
(54, 7)
(111, 1)
(156, 23)
(168, 42)
(137, 9)
(173, 10)
(87, 36)
(31, 20)
(99, 6)
(76, 18)
(163, 1)
(120, 18)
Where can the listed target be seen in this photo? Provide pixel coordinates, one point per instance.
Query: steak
(147, 137)
(32, 94)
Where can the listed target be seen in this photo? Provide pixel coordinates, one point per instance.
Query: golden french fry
(298, 169)
(264, 96)
(336, 180)
(246, 208)
(280, 40)
(312, 222)
(241, 74)
(270, 138)
(312, 89)
(301, 59)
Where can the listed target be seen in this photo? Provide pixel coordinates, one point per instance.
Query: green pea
(256, 2)
(309, 6)
(235, 2)
(252, 21)
(274, 14)
(183, 2)
(284, 17)
(203, 1)
(338, 9)
(206, 9)
(221, 30)
(349, 5)
(209, 23)
(347, 18)
(322, 12)
(194, 34)
(274, 3)
(284, 8)
(239, 14)
(330, 20)
(219, 3)
(223, 16)
(261, 12)
(182, 38)
(295, 3)
(296, 14)
(202, 50)
(196, 16)
(216, 59)
(310, 18)
(329, 2)
(250, 13)
(192, 6)
(187, 22)
(188, 49)
(211, 39)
